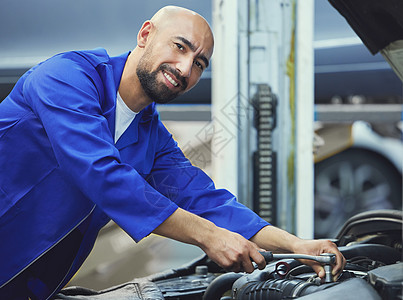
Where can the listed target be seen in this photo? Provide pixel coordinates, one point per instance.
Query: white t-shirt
(124, 116)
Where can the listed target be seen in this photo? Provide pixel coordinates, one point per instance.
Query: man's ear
(144, 33)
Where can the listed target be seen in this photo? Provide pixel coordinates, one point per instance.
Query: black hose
(220, 285)
(274, 289)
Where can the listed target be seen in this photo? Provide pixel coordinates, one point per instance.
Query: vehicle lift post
(265, 43)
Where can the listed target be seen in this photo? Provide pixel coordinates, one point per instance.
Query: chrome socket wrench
(325, 259)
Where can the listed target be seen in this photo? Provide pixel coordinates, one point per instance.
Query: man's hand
(233, 252)
(280, 241)
(229, 250)
(317, 247)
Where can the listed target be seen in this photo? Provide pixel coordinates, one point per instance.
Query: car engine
(371, 242)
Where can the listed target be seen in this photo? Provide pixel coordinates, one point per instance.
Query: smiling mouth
(170, 79)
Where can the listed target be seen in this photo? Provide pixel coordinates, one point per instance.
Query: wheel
(351, 182)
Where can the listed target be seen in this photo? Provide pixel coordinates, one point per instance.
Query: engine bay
(371, 242)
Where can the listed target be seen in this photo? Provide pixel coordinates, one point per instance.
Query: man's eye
(180, 47)
(199, 65)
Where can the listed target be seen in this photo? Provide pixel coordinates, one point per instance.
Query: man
(81, 143)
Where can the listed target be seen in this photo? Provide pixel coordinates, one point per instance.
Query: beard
(155, 90)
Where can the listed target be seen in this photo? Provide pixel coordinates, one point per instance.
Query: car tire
(351, 182)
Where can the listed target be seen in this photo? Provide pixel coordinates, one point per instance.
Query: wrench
(325, 259)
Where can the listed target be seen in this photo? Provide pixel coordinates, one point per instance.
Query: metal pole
(304, 116)
(225, 95)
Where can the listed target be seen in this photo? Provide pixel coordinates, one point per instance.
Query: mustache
(166, 67)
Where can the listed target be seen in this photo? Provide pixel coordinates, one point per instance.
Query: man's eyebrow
(193, 48)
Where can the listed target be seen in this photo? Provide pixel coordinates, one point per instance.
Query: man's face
(175, 58)
(157, 90)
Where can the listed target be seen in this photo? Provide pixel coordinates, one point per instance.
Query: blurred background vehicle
(357, 170)
(359, 167)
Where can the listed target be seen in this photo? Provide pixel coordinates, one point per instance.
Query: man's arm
(195, 193)
(235, 253)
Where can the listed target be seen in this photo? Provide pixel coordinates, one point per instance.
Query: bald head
(170, 11)
(179, 18)
(168, 15)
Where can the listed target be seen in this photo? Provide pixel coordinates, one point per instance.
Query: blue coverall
(63, 178)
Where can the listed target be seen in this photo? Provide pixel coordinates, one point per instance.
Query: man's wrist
(276, 240)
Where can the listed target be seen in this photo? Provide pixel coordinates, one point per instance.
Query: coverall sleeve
(66, 95)
(190, 188)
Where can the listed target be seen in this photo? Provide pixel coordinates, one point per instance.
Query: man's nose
(184, 66)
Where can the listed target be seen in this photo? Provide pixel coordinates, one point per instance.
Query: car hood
(379, 24)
